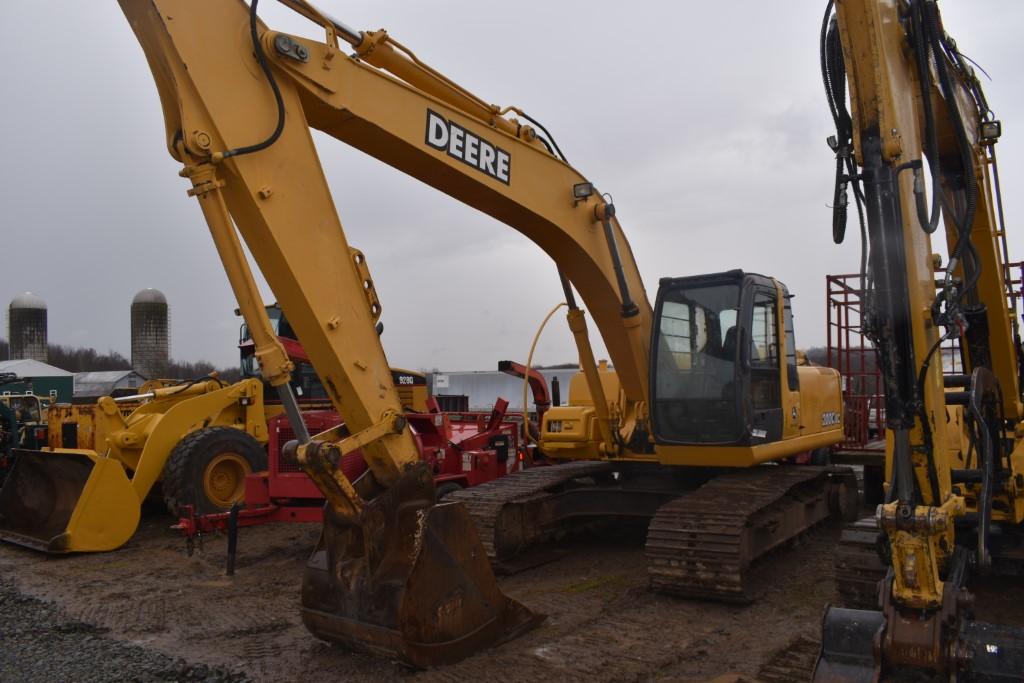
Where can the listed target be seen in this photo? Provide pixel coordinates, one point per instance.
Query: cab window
(787, 319)
(764, 336)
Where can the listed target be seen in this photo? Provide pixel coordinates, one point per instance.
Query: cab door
(763, 361)
(791, 408)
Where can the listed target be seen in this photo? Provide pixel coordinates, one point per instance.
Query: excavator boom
(954, 442)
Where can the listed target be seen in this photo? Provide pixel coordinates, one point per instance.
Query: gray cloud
(706, 123)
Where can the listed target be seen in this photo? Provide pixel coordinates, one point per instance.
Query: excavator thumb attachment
(408, 579)
(64, 502)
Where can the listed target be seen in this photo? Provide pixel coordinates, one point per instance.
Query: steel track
(702, 544)
(858, 568)
(503, 537)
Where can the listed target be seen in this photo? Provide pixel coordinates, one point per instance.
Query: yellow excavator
(919, 124)
(707, 396)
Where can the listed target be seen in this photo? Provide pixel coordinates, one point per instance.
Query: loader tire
(207, 469)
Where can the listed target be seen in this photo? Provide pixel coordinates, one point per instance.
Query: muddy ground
(151, 612)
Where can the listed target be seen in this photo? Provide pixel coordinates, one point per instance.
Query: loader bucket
(408, 579)
(63, 502)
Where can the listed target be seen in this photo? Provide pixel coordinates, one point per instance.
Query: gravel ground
(151, 606)
(150, 612)
(38, 642)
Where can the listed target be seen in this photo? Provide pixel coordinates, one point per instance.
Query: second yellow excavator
(917, 121)
(706, 401)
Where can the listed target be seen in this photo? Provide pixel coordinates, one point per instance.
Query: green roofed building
(38, 378)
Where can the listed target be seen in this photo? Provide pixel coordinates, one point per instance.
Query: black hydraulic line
(963, 222)
(570, 298)
(629, 308)
(839, 203)
(545, 131)
(833, 74)
(919, 390)
(922, 416)
(929, 223)
(825, 70)
(984, 385)
(262, 59)
(545, 143)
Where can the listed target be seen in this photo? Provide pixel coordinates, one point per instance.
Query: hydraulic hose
(262, 59)
(963, 222)
(545, 131)
(929, 223)
(529, 365)
(833, 74)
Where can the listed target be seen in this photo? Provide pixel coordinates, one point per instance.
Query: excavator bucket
(850, 646)
(64, 502)
(852, 650)
(408, 579)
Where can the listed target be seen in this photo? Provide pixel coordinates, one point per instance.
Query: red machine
(464, 449)
(850, 352)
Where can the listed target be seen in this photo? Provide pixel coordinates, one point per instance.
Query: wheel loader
(85, 493)
(199, 439)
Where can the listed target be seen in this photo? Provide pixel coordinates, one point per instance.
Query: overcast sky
(706, 121)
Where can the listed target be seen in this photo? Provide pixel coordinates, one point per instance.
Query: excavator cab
(716, 371)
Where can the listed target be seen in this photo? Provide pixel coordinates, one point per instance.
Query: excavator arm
(917, 148)
(384, 101)
(392, 573)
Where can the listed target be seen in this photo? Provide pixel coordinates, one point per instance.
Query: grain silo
(26, 327)
(150, 338)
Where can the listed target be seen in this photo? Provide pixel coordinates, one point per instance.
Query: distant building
(481, 387)
(107, 383)
(40, 379)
